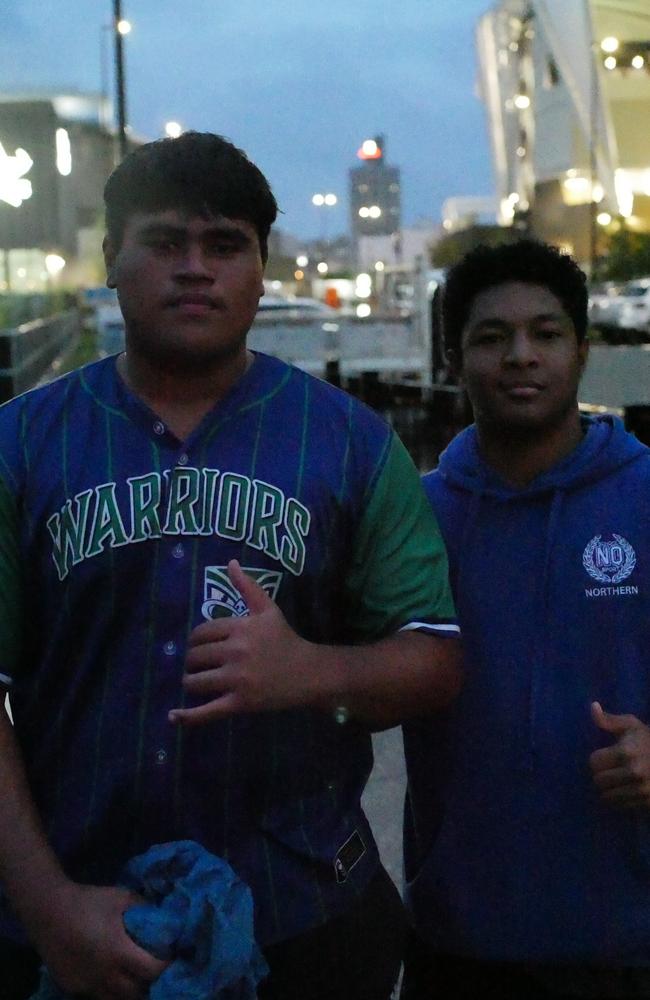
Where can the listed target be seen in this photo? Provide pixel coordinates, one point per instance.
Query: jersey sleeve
(10, 584)
(399, 574)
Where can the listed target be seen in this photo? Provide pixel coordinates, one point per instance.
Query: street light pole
(594, 140)
(120, 87)
(324, 201)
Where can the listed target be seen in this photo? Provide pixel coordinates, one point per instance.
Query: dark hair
(528, 261)
(198, 171)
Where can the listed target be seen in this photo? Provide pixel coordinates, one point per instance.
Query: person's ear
(583, 353)
(109, 261)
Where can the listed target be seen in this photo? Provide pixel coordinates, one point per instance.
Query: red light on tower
(370, 150)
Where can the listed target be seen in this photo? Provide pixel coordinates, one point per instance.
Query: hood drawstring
(539, 665)
(468, 527)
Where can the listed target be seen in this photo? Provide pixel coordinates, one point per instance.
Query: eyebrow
(226, 231)
(504, 324)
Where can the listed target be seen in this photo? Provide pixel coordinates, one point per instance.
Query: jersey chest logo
(221, 598)
(609, 561)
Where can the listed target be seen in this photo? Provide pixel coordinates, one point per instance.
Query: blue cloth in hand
(198, 915)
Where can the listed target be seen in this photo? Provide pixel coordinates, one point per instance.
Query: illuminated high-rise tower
(375, 192)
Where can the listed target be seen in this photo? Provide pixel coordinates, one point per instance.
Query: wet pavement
(384, 799)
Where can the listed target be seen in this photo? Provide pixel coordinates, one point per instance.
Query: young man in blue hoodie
(527, 846)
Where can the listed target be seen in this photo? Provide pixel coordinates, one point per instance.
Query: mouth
(194, 303)
(523, 390)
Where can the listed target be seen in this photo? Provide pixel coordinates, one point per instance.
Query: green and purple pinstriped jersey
(114, 543)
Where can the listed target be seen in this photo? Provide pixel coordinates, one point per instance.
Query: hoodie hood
(605, 447)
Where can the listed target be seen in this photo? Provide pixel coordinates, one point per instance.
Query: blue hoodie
(509, 854)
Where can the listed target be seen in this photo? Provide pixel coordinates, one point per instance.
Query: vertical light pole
(103, 72)
(594, 139)
(120, 28)
(324, 201)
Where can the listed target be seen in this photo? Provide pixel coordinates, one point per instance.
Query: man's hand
(258, 663)
(86, 948)
(250, 664)
(622, 771)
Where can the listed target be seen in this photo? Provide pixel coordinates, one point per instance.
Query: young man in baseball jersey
(528, 833)
(218, 574)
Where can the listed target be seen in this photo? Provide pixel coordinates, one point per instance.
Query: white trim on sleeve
(431, 626)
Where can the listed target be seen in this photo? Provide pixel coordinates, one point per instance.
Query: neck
(181, 398)
(519, 455)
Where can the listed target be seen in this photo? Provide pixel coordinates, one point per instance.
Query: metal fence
(28, 351)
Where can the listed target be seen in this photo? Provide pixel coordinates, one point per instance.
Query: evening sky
(297, 83)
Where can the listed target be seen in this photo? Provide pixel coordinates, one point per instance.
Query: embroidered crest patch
(221, 598)
(609, 561)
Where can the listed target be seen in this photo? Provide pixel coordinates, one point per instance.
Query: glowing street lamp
(609, 44)
(54, 264)
(324, 200)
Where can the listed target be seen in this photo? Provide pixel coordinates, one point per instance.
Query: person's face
(189, 286)
(521, 361)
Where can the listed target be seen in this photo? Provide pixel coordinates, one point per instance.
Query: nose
(193, 264)
(521, 349)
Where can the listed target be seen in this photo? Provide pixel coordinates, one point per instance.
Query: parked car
(621, 312)
(634, 308)
(291, 307)
(604, 304)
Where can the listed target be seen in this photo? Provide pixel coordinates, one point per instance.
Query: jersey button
(183, 459)
(159, 427)
(161, 756)
(178, 551)
(169, 648)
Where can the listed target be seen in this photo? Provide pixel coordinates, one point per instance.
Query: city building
(374, 193)
(55, 156)
(401, 249)
(566, 87)
(462, 211)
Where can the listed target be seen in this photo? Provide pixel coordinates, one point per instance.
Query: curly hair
(528, 261)
(200, 172)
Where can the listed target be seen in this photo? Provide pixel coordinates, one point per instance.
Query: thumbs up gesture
(622, 771)
(250, 664)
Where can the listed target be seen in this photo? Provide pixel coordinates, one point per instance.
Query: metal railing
(27, 351)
